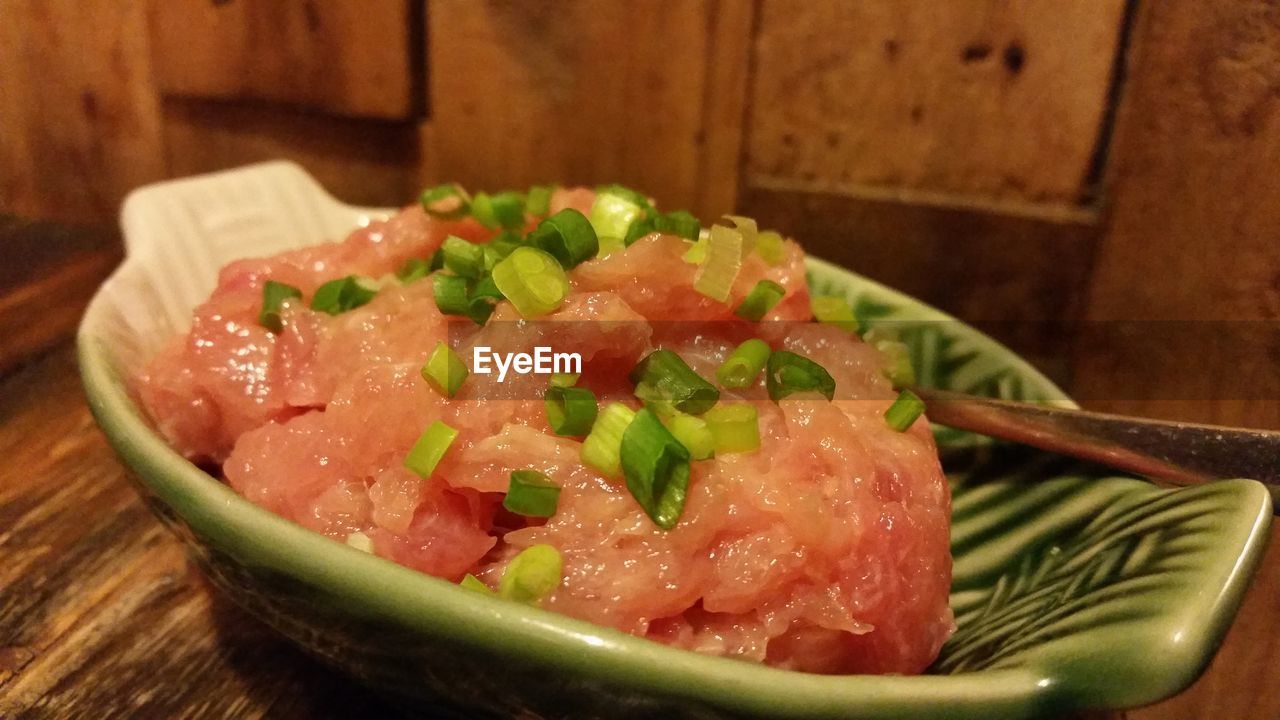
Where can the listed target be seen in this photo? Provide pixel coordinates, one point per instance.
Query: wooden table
(101, 615)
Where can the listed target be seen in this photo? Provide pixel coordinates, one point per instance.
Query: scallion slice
(833, 310)
(696, 254)
(760, 300)
(746, 226)
(564, 379)
(274, 294)
(904, 411)
(447, 202)
(788, 373)
(663, 376)
(571, 411)
(450, 294)
(538, 200)
(770, 247)
(504, 209)
(656, 467)
(413, 269)
(531, 494)
(444, 370)
(679, 223)
(613, 214)
(639, 228)
(343, 294)
(723, 262)
(498, 248)
(600, 449)
(692, 432)
(475, 584)
(429, 449)
(462, 257)
(483, 297)
(532, 575)
(532, 280)
(897, 357)
(360, 541)
(736, 428)
(744, 364)
(568, 236)
(626, 193)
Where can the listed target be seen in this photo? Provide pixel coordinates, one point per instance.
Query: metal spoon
(1178, 453)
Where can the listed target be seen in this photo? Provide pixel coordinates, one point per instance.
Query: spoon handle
(1174, 452)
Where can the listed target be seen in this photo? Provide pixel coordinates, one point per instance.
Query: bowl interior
(1071, 589)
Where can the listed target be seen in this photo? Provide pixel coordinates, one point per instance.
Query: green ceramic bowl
(1072, 589)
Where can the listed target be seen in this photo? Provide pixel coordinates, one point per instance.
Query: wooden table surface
(101, 615)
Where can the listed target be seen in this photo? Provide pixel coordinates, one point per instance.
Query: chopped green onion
(475, 584)
(538, 200)
(564, 379)
(612, 215)
(679, 223)
(833, 310)
(568, 236)
(663, 376)
(788, 373)
(447, 202)
(609, 246)
(360, 541)
(414, 269)
(444, 370)
(770, 247)
(744, 364)
(736, 428)
(600, 449)
(723, 263)
(904, 411)
(273, 296)
(532, 575)
(626, 193)
(532, 280)
(343, 294)
(747, 227)
(500, 247)
(897, 357)
(450, 294)
(437, 260)
(656, 467)
(429, 449)
(531, 494)
(462, 257)
(570, 411)
(505, 209)
(482, 300)
(641, 227)
(693, 433)
(760, 300)
(697, 252)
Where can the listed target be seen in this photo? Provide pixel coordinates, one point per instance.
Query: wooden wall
(1047, 167)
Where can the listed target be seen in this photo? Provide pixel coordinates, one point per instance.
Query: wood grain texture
(350, 57)
(51, 272)
(100, 613)
(372, 162)
(972, 102)
(583, 92)
(79, 119)
(1194, 234)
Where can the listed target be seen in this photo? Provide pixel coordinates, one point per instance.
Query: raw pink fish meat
(826, 550)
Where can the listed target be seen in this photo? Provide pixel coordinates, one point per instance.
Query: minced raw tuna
(824, 550)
